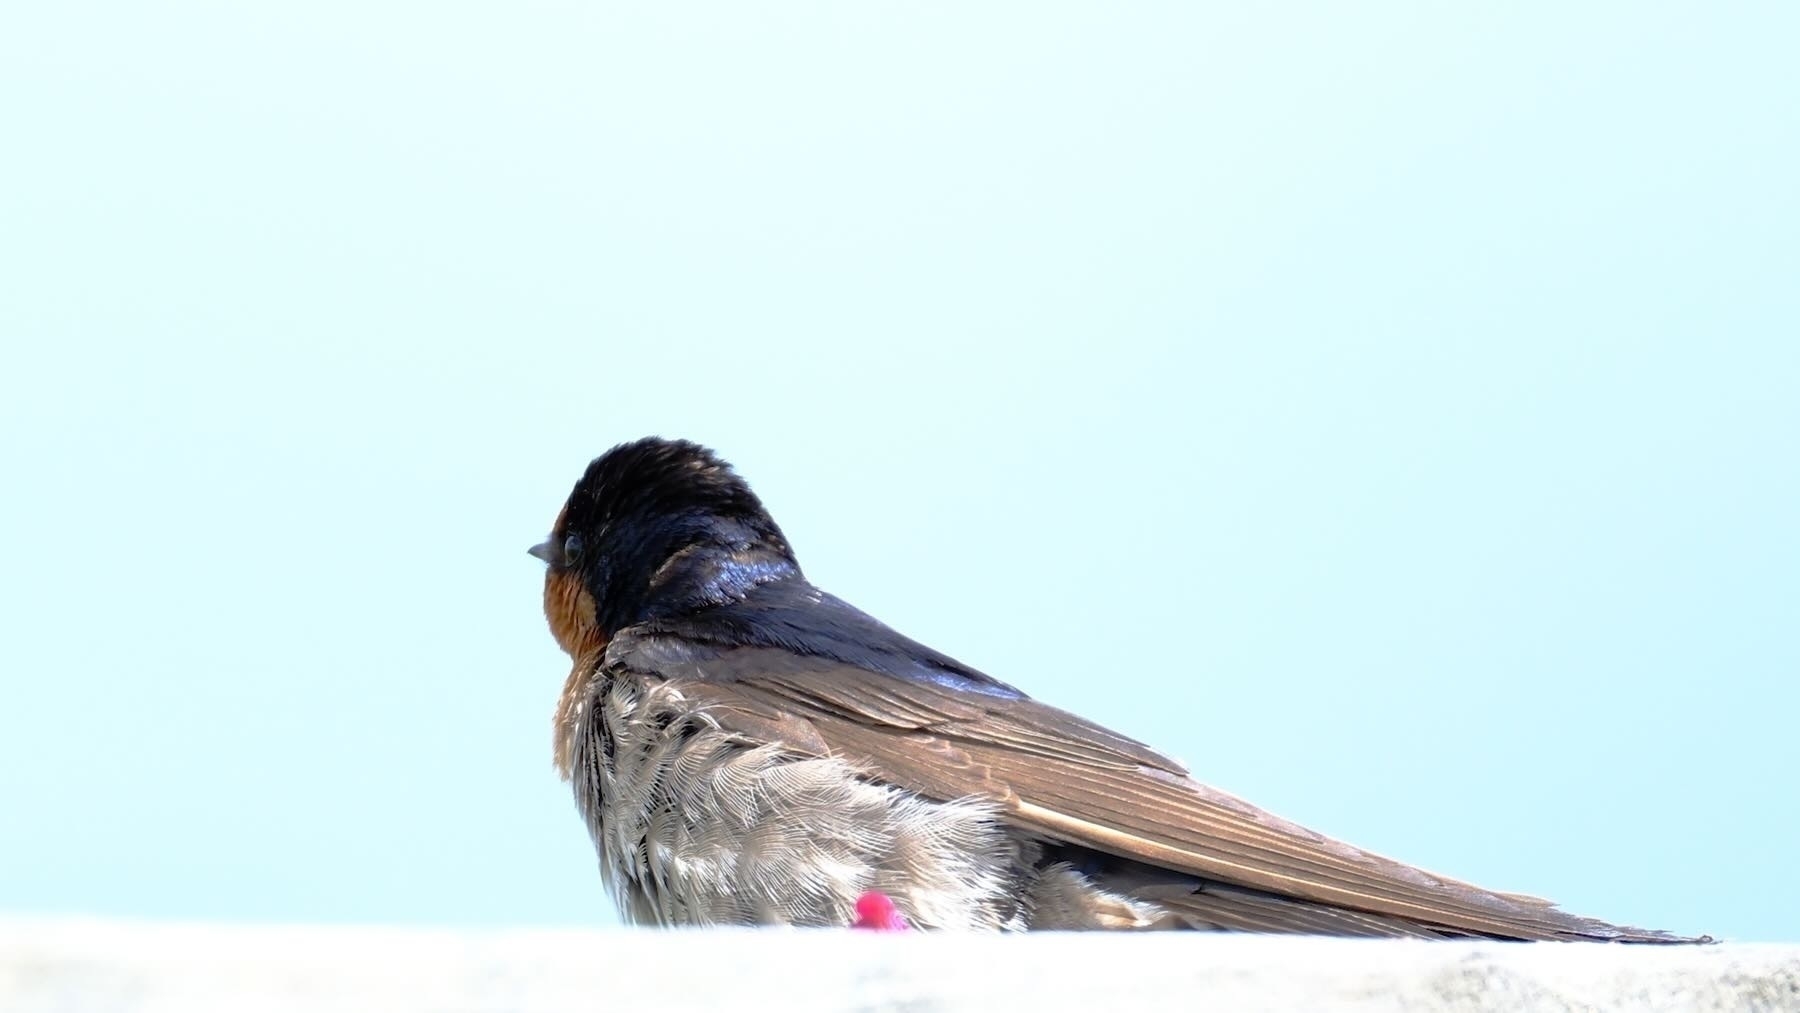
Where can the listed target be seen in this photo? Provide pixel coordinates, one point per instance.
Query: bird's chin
(570, 610)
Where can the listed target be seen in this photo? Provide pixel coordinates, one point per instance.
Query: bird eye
(571, 550)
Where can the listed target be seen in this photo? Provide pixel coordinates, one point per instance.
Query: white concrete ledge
(78, 965)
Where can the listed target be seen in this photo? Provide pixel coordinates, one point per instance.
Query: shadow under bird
(747, 749)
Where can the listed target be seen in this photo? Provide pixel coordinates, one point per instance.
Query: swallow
(747, 749)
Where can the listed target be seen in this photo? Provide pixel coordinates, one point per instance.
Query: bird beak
(541, 550)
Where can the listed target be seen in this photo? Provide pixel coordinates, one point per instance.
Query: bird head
(653, 527)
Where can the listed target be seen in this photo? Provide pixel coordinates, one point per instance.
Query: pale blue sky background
(1389, 409)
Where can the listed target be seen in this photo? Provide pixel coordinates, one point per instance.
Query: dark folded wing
(1074, 781)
